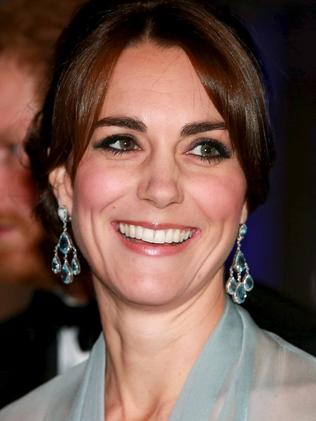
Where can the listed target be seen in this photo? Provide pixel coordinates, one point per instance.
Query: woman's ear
(62, 187)
(244, 213)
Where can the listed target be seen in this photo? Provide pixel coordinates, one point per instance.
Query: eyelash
(110, 140)
(221, 151)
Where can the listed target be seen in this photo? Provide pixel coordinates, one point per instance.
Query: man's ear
(244, 213)
(62, 187)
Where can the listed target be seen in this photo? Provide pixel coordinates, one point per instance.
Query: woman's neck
(150, 352)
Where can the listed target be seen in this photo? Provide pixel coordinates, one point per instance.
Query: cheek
(220, 196)
(22, 190)
(97, 186)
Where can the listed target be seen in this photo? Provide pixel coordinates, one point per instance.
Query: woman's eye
(123, 145)
(210, 150)
(117, 144)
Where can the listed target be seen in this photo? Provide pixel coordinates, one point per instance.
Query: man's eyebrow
(204, 126)
(124, 122)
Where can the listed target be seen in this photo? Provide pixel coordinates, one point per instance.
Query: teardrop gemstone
(242, 231)
(231, 285)
(240, 294)
(66, 274)
(64, 244)
(62, 214)
(239, 262)
(248, 282)
(75, 266)
(56, 265)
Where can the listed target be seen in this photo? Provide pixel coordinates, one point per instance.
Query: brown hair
(29, 30)
(87, 53)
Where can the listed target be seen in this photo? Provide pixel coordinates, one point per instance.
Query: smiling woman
(159, 176)
(154, 138)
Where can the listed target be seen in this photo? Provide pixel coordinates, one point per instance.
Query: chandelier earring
(64, 251)
(240, 282)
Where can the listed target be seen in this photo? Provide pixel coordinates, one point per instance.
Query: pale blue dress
(242, 374)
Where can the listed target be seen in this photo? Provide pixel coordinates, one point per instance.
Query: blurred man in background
(30, 321)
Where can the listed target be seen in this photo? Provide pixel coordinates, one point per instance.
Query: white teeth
(155, 236)
(176, 236)
(160, 237)
(132, 231)
(139, 232)
(187, 235)
(169, 236)
(148, 235)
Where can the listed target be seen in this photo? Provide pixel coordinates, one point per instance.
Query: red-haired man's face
(20, 233)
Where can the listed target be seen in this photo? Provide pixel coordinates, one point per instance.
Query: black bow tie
(54, 313)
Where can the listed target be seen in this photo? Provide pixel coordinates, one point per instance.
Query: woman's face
(159, 167)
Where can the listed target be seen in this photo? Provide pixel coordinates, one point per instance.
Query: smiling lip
(155, 239)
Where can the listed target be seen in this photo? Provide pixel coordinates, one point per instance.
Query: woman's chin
(146, 293)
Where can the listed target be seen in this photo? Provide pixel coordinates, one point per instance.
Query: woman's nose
(160, 183)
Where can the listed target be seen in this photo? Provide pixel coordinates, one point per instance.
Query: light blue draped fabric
(225, 360)
(242, 374)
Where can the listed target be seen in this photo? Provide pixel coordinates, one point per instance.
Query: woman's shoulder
(272, 350)
(277, 313)
(290, 365)
(283, 377)
(284, 380)
(275, 359)
(52, 401)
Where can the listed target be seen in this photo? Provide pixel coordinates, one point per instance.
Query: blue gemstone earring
(63, 249)
(240, 281)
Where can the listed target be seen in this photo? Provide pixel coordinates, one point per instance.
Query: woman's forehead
(147, 75)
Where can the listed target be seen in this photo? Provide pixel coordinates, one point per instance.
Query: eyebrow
(135, 124)
(124, 122)
(204, 126)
